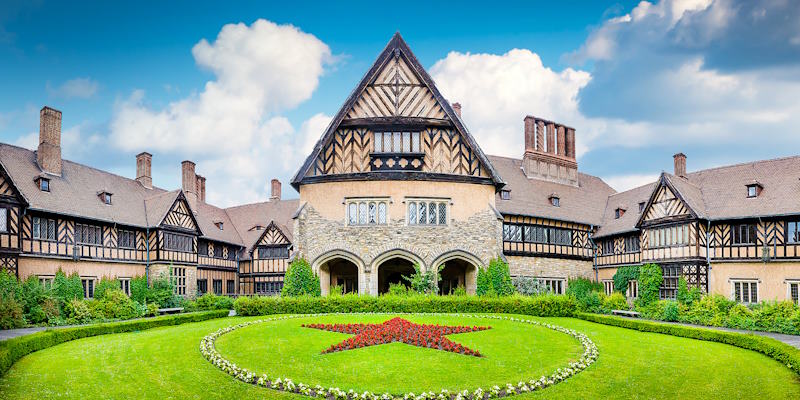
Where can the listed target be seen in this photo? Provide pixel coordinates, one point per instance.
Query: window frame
(44, 184)
(125, 285)
(36, 226)
(736, 234)
(126, 233)
(553, 283)
(171, 242)
(555, 201)
(790, 285)
(608, 286)
(796, 238)
(46, 280)
(505, 195)
(4, 214)
(88, 283)
(377, 216)
(273, 252)
(408, 142)
(202, 289)
(91, 232)
(178, 277)
(214, 283)
(230, 286)
(423, 205)
(739, 297)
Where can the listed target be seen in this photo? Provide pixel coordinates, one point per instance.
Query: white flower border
(334, 393)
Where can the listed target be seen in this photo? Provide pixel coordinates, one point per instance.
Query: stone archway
(341, 268)
(392, 271)
(459, 268)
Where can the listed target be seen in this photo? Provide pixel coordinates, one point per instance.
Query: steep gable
(8, 190)
(396, 125)
(273, 235)
(666, 203)
(180, 216)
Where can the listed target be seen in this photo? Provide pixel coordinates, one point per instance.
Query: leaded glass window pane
(372, 211)
(378, 142)
(442, 214)
(396, 145)
(431, 213)
(415, 142)
(406, 142)
(51, 230)
(423, 215)
(412, 213)
(352, 213)
(362, 213)
(381, 213)
(387, 142)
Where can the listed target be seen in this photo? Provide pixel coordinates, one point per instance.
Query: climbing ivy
(623, 276)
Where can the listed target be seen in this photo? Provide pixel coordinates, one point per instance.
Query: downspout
(708, 246)
(594, 254)
(147, 251)
(238, 274)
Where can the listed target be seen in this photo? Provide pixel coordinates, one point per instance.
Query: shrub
(335, 290)
(12, 350)
(67, 288)
(670, 311)
(459, 291)
(115, 305)
(10, 313)
(649, 280)
(105, 284)
(78, 312)
(397, 289)
(424, 282)
(152, 309)
(161, 291)
(484, 284)
(623, 276)
(616, 301)
(495, 280)
(50, 307)
(547, 305)
(139, 289)
(529, 286)
(300, 280)
(211, 301)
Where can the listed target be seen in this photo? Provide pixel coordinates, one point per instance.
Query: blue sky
(243, 88)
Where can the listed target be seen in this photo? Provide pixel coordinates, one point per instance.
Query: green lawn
(166, 363)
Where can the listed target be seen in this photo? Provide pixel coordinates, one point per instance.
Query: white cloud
(81, 88)
(233, 129)
(622, 183)
(497, 91)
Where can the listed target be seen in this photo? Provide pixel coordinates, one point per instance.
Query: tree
(424, 282)
(300, 280)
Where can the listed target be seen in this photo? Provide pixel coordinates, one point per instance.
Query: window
(125, 285)
(126, 239)
(536, 234)
(427, 212)
(274, 287)
(608, 286)
(367, 212)
(745, 291)
(641, 207)
(793, 232)
(217, 286)
(555, 201)
(505, 194)
(218, 251)
(232, 253)
(618, 213)
(3, 219)
(178, 242)
(744, 234)
(560, 236)
(632, 244)
(219, 225)
(230, 286)
(512, 233)
(88, 288)
(633, 290)
(753, 190)
(273, 252)
(88, 234)
(178, 275)
(105, 197)
(669, 286)
(554, 285)
(46, 281)
(608, 247)
(44, 228)
(202, 286)
(794, 292)
(44, 184)
(676, 235)
(397, 142)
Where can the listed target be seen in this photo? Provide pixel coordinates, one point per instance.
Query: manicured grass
(512, 351)
(166, 363)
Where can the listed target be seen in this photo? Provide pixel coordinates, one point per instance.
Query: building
(397, 180)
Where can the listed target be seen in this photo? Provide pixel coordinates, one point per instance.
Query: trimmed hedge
(12, 350)
(541, 306)
(782, 352)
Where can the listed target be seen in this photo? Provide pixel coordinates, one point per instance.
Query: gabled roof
(396, 46)
(629, 200)
(583, 203)
(246, 217)
(682, 190)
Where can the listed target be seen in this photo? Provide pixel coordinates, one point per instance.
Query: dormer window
(105, 197)
(43, 183)
(619, 212)
(257, 228)
(505, 194)
(555, 201)
(641, 207)
(219, 225)
(754, 189)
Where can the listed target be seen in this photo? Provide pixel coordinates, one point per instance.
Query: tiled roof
(246, 217)
(583, 203)
(629, 201)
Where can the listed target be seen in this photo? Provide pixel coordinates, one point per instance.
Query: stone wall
(156, 270)
(550, 267)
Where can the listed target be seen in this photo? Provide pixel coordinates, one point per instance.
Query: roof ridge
(745, 163)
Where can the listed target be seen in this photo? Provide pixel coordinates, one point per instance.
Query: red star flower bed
(399, 330)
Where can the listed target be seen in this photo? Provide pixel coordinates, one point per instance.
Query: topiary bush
(300, 280)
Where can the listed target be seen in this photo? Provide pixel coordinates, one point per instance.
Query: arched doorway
(459, 269)
(338, 268)
(392, 271)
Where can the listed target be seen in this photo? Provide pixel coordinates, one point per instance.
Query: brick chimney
(48, 155)
(549, 151)
(189, 183)
(144, 162)
(275, 193)
(680, 164)
(457, 109)
(201, 188)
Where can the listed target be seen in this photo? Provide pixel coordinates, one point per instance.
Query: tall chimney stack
(530, 133)
(549, 151)
(189, 182)
(275, 194)
(457, 109)
(680, 164)
(201, 188)
(144, 161)
(48, 155)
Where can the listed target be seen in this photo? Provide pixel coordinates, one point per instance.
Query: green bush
(211, 301)
(397, 289)
(152, 310)
(495, 280)
(459, 291)
(585, 293)
(335, 290)
(300, 280)
(623, 276)
(782, 352)
(546, 305)
(105, 284)
(78, 312)
(11, 314)
(12, 350)
(161, 291)
(67, 288)
(424, 282)
(670, 311)
(115, 304)
(9, 285)
(649, 280)
(139, 290)
(616, 301)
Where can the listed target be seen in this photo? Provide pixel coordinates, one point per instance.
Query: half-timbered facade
(397, 180)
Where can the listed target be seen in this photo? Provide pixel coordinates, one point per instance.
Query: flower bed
(588, 357)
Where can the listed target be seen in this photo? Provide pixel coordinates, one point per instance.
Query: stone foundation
(550, 267)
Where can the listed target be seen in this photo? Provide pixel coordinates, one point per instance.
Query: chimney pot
(680, 164)
(189, 182)
(276, 190)
(457, 109)
(48, 154)
(530, 133)
(144, 161)
(201, 188)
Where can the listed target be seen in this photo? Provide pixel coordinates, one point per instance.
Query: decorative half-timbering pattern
(273, 236)
(8, 262)
(396, 91)
(446, 152)
(529, 236)
(348, 152)
(180, 216)
(666, 205)
(621, 255)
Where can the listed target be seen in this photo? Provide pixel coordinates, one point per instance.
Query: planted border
(768, 346)
(13, 349)
(210, 352)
